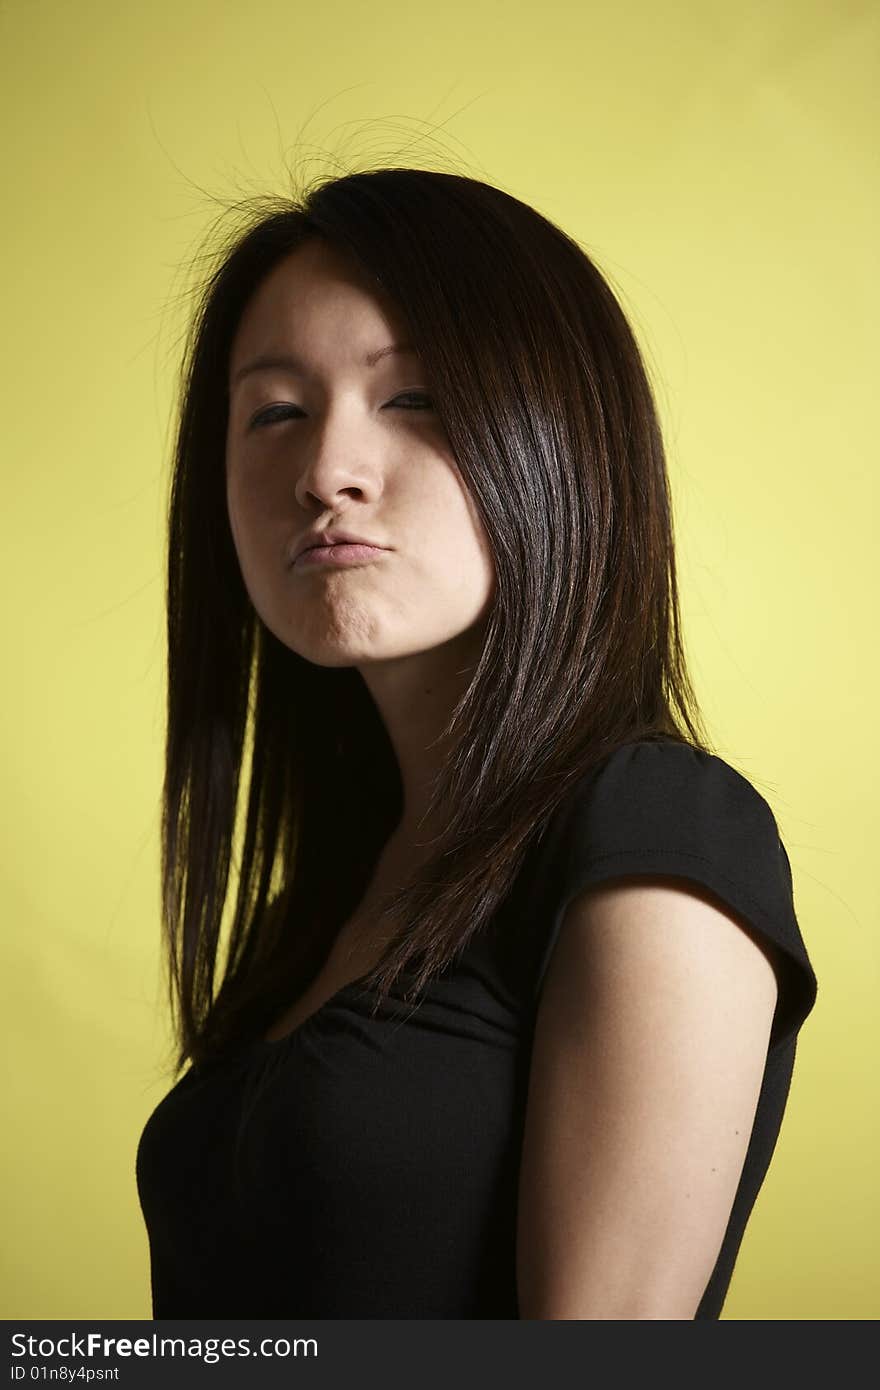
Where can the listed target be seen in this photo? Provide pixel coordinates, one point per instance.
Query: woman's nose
(339, 459)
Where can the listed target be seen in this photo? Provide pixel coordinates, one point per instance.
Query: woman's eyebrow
(291, 363)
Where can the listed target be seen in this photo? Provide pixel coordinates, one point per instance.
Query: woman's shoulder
(651, 793)
(661, 808)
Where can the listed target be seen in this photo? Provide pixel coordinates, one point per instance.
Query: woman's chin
(335, 649)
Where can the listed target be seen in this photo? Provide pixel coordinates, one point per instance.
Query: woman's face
(345, 445)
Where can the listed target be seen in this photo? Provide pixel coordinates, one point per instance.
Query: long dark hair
(540, 385)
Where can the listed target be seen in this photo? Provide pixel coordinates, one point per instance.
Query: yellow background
(718, 162)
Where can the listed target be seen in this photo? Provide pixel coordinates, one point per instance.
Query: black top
(376, 1174)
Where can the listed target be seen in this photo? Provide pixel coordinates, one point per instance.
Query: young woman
(508, 1006)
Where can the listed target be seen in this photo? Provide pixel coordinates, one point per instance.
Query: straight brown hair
(539, 383)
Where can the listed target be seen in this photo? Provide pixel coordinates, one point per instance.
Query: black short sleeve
(669, 808)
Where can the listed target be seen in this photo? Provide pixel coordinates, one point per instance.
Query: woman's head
(527, 516)
(324, 433)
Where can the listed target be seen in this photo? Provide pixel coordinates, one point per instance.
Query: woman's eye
(414, 395)
(268, 417)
